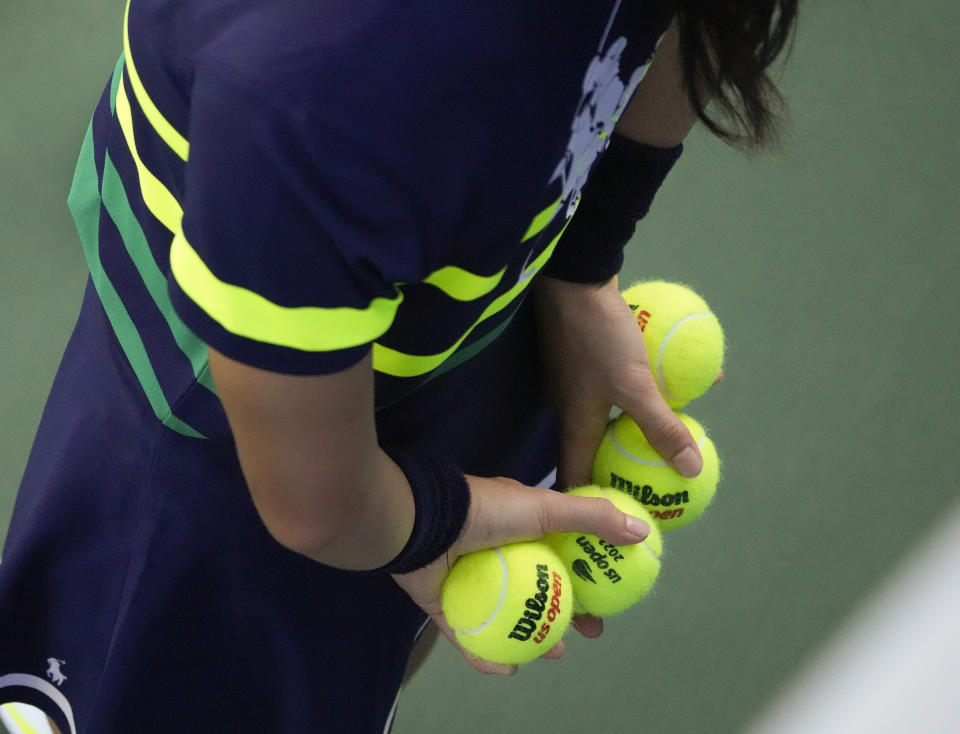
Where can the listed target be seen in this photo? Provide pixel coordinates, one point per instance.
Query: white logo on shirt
(526, 274)
(603, 99)
(53, 671)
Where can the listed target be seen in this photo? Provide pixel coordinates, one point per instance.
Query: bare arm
(309, 452)
(575, 315)
(323, 487)
(660, 113)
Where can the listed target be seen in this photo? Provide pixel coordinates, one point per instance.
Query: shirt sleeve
(293, 243)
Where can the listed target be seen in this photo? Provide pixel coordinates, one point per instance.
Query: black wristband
(441, 498)
(617, 195)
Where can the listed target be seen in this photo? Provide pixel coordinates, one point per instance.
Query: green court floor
(833, 265)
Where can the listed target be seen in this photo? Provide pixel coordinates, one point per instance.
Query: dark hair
(727, 48)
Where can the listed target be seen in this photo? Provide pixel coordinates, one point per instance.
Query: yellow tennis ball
(509, 604)
(607, 578)
(683, 337)
(626, 461)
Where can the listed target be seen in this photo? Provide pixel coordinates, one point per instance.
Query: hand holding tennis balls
(626, 461)
(595, 357)
(503, 513)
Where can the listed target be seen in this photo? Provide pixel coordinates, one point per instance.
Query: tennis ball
(509, 604)
(683, 337)
(607, 578)
(626, 461)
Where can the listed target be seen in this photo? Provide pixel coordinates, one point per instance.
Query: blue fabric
(338, 154)
(136, 557)
(336, 149)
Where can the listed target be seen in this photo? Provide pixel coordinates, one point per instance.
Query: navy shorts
(139, 590)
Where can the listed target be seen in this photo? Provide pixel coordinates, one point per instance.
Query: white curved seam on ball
(653, 555)
(500, 601)
(627, 455)
(663, 348)
(636, 459)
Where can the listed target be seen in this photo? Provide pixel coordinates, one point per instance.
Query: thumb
(566, 513)
(664, 430)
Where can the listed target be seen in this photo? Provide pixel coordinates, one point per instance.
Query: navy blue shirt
(313, 181)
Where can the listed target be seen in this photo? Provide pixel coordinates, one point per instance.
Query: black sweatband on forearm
(441, 499)
(617, 195)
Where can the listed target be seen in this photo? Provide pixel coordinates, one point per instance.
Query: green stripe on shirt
(118, 207)
(84, 203)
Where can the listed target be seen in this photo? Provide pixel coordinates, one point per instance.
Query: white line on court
(894, 667)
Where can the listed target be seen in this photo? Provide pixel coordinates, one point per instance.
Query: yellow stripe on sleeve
(541, 221)
(399, 364)
(156, 196)
(239, 310)
(178, 144)
(248, 314)
(462, 285)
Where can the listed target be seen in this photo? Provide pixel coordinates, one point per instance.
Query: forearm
(308, 449)
(361, 524)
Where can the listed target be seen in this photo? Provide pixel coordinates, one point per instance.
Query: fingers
(588, 625)
(555, 652)
(663, 429)
(479, 664)
(488, 668)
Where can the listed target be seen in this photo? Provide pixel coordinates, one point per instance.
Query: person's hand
(503, 511)
(596, 359)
